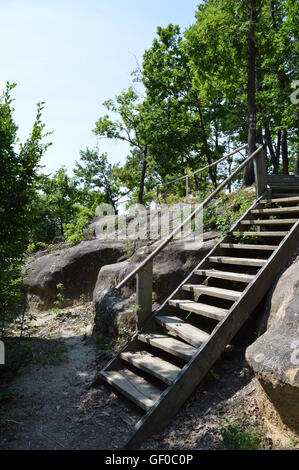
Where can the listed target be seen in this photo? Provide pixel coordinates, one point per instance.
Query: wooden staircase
(180, 342)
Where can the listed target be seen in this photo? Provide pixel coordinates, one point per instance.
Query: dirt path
(52, 406)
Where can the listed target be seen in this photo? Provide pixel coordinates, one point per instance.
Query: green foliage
(18, 177)
(214, 374)
(75, 230)
(61, 299)
(100, 179)
(223, 213)
(234, 436)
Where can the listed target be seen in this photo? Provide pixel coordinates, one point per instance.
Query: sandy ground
(52, 405)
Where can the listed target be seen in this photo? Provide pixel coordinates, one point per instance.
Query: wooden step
(184, 330)
(134, 387)
(237, 261)
(269, 222)
(276, 210)
(213, 291)
(229, 276)
(245, 246)
(280, 200)
(153, 365)
(285, 187)
(209, 311)
(283, 195)
(169, 344)
(260, 234)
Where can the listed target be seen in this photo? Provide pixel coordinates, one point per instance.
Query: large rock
(76, 268)
(114, 309)
(274, 357)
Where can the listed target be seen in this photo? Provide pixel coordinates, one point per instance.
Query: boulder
(274, 357)
(76, 268)
(117, 308)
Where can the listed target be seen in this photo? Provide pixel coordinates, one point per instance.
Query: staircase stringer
(188, 379)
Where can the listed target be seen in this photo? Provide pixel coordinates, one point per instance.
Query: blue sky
(74, 55)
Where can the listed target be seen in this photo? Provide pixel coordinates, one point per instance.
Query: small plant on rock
(235, 436)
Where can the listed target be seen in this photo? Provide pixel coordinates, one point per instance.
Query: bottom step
(134, 387)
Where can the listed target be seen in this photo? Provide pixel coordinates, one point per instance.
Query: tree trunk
(142, 178)
(212, 171)
(277, 150)
(284, 152)
(249, 172)
(273, 157)
(297, 155)
(297, 162)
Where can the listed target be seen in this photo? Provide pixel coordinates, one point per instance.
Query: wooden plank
(184, 330)
(153, 365)
(227, 275)
(245, 246)
(260, 234)
(134, 387)
(205, 310)
(191, 375)
(237, 261)
(276, 210)
(269, 222)
(168, 344)
(283, 195)
(144, 293)
(213, 291)
(280, 200)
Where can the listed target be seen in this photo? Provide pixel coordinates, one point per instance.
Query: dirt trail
(52, 405)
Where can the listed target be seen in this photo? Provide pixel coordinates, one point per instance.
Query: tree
(60, 196)
(98, 176)
(18, 177)
(180, 130)
(129, 127)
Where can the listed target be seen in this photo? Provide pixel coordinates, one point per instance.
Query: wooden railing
(144, 272)
(193, 173)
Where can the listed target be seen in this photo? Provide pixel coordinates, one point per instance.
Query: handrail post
(260, 173)
(144, 290)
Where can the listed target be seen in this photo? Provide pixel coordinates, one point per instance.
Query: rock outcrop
(76, 268)
(171, 266)
(274, 357)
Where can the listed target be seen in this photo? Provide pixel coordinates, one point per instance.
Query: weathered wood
(260, 234)
(144, 292)
(213, 291)
(277, 210)
(134, 387)
(229, 276)
(153, 365)
(244, 246)
(169, 344)
(281, 200)
(191, 375)
(269, 222)
(205, 310)
(237, 261)
(184, 330)
(260, 173)
(283, 194)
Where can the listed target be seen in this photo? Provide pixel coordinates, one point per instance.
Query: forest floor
(50, 402)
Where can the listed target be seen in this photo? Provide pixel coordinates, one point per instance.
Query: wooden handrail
(207, 167)
(188, 219)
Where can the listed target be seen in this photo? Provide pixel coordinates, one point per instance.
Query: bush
(235, 436)
(75, 230)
